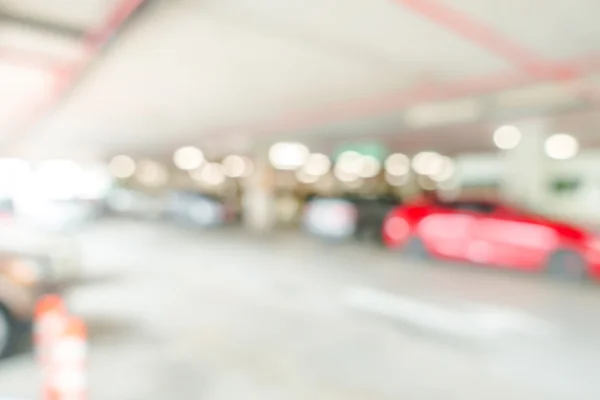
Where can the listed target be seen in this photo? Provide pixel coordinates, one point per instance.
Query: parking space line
(469, 321)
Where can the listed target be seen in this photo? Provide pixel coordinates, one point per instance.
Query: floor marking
(468, 320)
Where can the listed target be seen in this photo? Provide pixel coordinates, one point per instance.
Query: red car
(486, 232)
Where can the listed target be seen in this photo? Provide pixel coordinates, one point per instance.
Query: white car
(330, 218)
(58, 253)
(135, 204)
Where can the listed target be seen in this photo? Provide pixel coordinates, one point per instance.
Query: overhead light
(151, 173)
(211, 173)
(445, 171)
(349, 163)
(396, 180)
(235, 166)
(369, 167)
(305, 177)
(14, 174)
(343, 175)
(122, 167)
(288, 156)
(427, 163)
(58, 179)
(317, 164)
(397, 164)
(561, 146)
(188, 158)
(507, 137)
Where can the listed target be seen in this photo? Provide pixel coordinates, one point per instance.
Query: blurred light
(445, 171)
(122, 167)
(305, 177)
(235, 166)
(561, 146)
(14, 173)
(427, 163)
(343, 175)
(211, 174)
(151, 173)
(507, 137)
(348, 163)
(355, 183)
(288, 156)
(317, 164)
(397, 164)
(369, 167)
(58, 179)
(396, 180)
(188, 158)
(95, 184)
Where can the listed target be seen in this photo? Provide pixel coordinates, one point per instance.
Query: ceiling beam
(41, 25)
(67, 76)
(489, 39)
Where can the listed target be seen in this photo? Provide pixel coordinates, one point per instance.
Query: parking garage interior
(359, 199)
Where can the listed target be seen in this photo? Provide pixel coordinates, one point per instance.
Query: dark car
(199, 210)
(371, 213)
(348, 216)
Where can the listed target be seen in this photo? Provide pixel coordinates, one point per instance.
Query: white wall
(581, 204)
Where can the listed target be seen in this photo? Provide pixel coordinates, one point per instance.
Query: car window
(471, 206)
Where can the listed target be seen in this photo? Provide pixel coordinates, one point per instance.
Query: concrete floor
(220, 315)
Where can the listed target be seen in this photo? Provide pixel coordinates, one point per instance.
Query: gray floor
(175, 314)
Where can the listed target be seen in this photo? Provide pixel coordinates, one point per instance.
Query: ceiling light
(122, 167)
(343, 175)
(305, 177)
(235, 166)
(427, 163)
(561, 146)
(396, 180)
(288, 156)
(507, 137)
(369, 167)
(188, 158)
(445, 171)
(211, 174)
(397, 164)
(151, 173)
(317, 164)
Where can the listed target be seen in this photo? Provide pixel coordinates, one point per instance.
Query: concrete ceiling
(229, 73)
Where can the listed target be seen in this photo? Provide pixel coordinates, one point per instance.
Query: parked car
(371, 212)
(135, 204)
(330, 218)
(347, 217)
(57, 215)
(492, 233)
(59, 252)
(21, 283)
(199, 210)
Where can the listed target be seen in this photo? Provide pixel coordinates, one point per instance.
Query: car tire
(567, 265)
(9, 333)
(415, 248)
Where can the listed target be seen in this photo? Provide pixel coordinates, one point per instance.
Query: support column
(525, 168)
(258, 200)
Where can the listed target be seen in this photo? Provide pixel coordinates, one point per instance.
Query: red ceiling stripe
(487, 38)
(67, 75)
